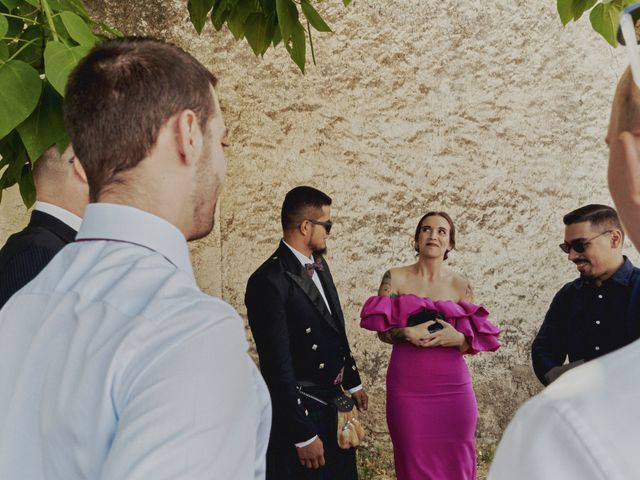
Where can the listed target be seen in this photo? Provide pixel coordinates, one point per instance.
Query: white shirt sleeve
(548, 441)
(190, 411)
(307, 442)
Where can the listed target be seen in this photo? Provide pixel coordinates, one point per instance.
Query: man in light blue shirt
(113, 364)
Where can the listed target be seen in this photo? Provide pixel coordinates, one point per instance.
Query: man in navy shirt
(598, 312)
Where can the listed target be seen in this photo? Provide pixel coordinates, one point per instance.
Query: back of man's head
(60, 181)
(599, 216)
(299, 205)
(121, 94)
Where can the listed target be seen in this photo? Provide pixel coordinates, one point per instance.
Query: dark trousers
(282, 458)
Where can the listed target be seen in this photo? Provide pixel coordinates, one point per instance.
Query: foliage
(264, 23)
(604, 15)
(41, 41)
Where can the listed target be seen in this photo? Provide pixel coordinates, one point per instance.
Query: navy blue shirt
(586, 321)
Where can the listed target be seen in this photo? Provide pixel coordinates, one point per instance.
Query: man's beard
(320, 252)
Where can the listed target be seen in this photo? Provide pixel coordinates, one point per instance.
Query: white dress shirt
(114, 365)
(304, 260)
(584, 426)
(60, 213)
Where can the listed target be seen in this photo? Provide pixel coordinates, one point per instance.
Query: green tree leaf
(565, 10)
(219, 14)
(346, 2)
(297, 46)
(78, 29)
(59, 60)
(10, 4)
(13, 150)
(239, 15)
(27, 186)
(604, 20)
(287, 18)
(277, 36)
(314, 17)
(4, 25)
(74, 6)
(44, 127)
(20, 87)
(198, 12)
(32, 53)
(258, 30)
(4, 51)
(581, 6)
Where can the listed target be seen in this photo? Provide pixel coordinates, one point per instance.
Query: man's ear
(189, 137)
(79, 169)
(616, 238)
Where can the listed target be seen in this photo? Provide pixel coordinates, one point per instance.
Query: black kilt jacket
(297, 338)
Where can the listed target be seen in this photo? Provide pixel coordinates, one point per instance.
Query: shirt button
(306, 412)
(308, 330)
(321, 366)
(600, 296)
(299, 402)
(314, 347)
(597, 322)
(597, 348)
(353, 367)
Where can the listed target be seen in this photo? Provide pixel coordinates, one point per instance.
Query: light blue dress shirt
(114, 365)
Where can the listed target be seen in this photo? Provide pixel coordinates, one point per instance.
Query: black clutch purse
(423, 316)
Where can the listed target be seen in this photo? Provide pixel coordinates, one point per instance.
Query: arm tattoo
(395, 335)
(385, 285)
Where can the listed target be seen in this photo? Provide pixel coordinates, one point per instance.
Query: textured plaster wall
(492, 112)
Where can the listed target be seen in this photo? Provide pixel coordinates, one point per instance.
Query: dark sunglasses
(327, 225)
(579, 246)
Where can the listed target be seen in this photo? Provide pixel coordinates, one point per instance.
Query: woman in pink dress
(427, 312)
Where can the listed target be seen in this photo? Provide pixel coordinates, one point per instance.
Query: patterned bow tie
(316, 265)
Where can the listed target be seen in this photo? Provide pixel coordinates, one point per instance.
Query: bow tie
(316, 265)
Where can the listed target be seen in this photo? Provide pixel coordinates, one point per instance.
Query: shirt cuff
(308, 442)
(355, 389)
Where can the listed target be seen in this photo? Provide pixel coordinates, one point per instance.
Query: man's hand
(362, 400)
(312, 456)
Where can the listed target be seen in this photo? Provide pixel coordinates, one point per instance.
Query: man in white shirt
(61, 195)
(113, 364)
(297, 322)
(585, 426)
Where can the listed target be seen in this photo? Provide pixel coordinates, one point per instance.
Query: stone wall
(495, 114)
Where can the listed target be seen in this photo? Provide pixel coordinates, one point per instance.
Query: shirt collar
(60, 213)
(302, 258)
(106, 221)
(623, 274)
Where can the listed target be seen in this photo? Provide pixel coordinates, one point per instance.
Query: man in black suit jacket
(298, 326)
(61, 194)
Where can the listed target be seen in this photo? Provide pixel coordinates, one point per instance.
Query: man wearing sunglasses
(596, 313)
(297, 323)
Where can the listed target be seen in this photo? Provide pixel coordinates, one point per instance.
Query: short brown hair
(119, 96)
(298, 202)
(597, 215)
(452, 231)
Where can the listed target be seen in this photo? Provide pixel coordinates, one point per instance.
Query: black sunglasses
(327, 225)
(579, 246)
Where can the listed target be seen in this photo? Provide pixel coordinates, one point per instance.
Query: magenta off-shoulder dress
(431, 407)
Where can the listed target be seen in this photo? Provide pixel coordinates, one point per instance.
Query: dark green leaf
(32, 53)
(59, 60)
(604, 20)
(277, 36)
(314, 17)
(565, 10)
(258, 30)
(219, 14)
(268, 6)
(10, 4)
(4, 25)
(198, 12)
(235, 21)
(4, 51)
(20, 87)
(44, 127)
(74, 6)
(78, 29)
(14, 171)
(27, 186)
(15, 27)
(297, 46)
(581, 6)
(35, 3)
(287, 18)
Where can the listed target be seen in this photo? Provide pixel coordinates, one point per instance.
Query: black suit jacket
(297, 338)
(27, 252)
